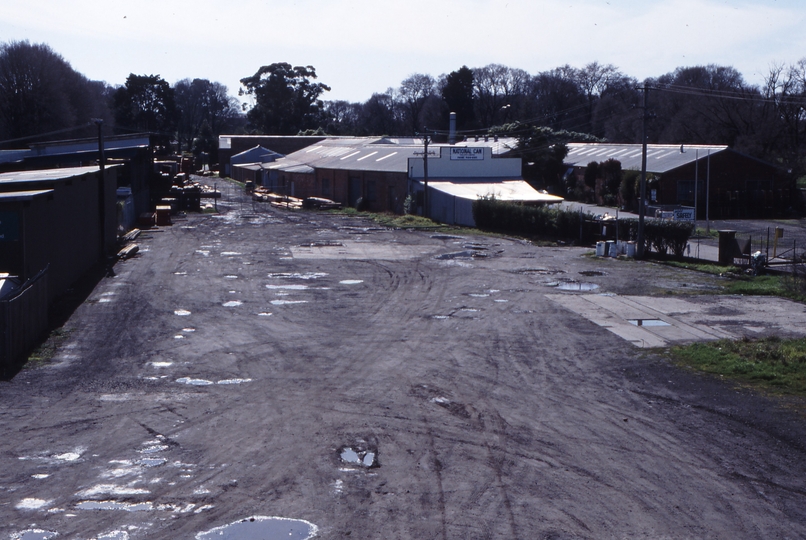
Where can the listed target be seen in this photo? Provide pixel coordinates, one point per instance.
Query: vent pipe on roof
(452, 133)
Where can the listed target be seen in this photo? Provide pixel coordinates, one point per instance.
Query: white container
(630, 249)
(600, 249)
(612, 248)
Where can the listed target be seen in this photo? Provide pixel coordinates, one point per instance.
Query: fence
(23, 320)
(780, 247)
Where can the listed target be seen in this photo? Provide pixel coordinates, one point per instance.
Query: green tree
(457, 92)
(40, 92)
(286, 99)
(201, 102)
(146, 103)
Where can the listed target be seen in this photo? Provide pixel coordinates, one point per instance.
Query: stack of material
(320, 203)
(147, 220)
(163, 215)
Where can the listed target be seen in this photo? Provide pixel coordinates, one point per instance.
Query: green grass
(770, 364)
(708, 268)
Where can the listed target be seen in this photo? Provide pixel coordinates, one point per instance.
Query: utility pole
(426, 141)
(101, 189)
(642, 201)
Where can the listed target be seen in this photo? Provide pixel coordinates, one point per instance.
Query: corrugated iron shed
(502, 190)
(660, 157)
(47, 174)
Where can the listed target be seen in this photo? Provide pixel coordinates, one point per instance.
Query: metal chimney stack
(452, 134)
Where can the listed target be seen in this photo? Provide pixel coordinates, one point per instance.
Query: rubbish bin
(600, 249)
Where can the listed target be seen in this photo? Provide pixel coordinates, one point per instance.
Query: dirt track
(223, 371)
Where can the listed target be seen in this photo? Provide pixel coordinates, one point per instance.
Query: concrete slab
(650, 321)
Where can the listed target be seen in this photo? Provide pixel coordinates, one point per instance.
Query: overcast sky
(359, 47)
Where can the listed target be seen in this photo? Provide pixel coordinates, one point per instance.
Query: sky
(359, 47)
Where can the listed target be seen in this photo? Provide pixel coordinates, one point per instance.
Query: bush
(533, 221)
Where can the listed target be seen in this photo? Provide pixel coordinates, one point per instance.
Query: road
(381, 384)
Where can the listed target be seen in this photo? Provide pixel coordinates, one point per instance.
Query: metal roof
(14, 196)
(502, 190)
(48, 174)
(385, 154)
(660, 158)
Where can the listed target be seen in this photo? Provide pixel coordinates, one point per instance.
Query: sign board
(465, 154)
(684, 214)
(9, 226)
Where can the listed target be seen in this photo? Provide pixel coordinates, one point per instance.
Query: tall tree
(201, 102)
(40, 92)
(499, 92)
(286, 99)
(146, 103)
(457, 92)
(414, 91)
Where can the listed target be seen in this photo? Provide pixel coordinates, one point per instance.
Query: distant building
(739, 186)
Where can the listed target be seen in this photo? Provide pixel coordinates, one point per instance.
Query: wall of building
(461, 162)
(382, 191)
(65, 231)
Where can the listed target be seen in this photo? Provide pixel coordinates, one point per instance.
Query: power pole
(642, 201)
(426, 140)
(101, 189)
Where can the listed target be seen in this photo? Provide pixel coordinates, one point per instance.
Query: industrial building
(730, 184)
(381, 172)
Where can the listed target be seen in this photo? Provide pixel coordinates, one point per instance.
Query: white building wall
(466, 163)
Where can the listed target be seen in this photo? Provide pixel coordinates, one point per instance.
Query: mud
(511, 417)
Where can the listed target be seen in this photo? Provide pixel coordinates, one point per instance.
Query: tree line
(40, 93)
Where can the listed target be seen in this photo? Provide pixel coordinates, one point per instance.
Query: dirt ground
(381, 384)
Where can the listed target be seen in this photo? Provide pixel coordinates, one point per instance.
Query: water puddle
(289, 287)
(458, 254)
(234, 381)
(262, 528)
(161, 364)
(440, 316)
(230, 253)
(230, 277)
(232, 303)
(501, 301)
(297, 275)
(479, 295)
(179, 336)
(33, 534)
(360, 455)
(573, 286)
(351, 281)
(152, 462)
(40, 476)
(591, 273)
(180, 273)
(188, 330)
(182, 312)
(115, 505)
(648, 322)
(536, 271)
(264, 314)
(114, 535)
(203, 252)
(194, 382)
(445, 237)
(32, 504)
(284, 302)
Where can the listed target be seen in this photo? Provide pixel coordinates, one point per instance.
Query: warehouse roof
(47, 174)
(660, 157)
(15, 196)
(502, 190)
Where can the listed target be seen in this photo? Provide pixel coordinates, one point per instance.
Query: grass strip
(771, 364)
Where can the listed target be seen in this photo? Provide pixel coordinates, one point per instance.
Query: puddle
(574, 286)
(32, 504)
(203, 252)
(264, 314)
(536, 272)
(162, 364)
(297, 275)
(230, 253)
(479, 295)
(234, 381)
(284, 302)
(40, 476)
(647, 322)
(230, 277)
(180, 273)
(459, 254)
(471, 310)
(591, 273)
(360, 457)
(188, 329)
(323, 243)
(33, 534)
(232, 303)
(179, 336)
(351, 281)
(182, 312)
(441, 317)
(289, 287)
(501, 301)
(152, 462)
(262, 528)
(194, 382)
(111, 489)
(114, 535)
(115, 505)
